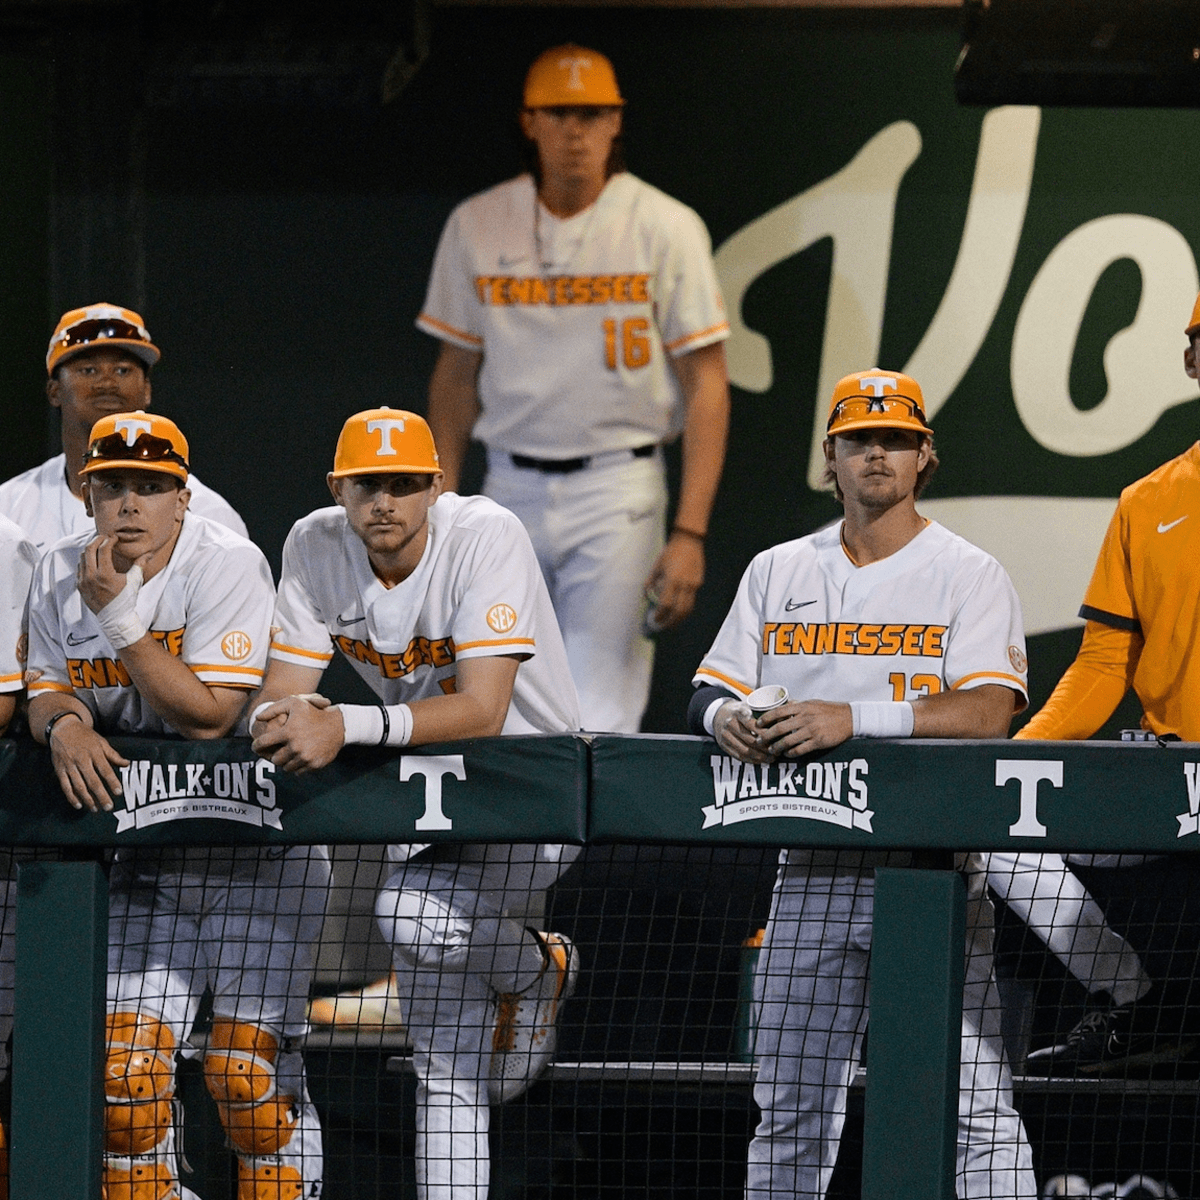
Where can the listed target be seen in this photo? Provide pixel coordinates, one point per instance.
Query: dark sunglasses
(146, 448)
(85, 332)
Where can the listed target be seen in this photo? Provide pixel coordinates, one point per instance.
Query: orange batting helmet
(877, 399)
(385, 441)
(570, 76)
(140, 440)
(99, 325)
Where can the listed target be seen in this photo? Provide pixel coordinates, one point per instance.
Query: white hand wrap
(732, 708)
(375, 725)
(882, 718)
(710, 714)
(119, 619)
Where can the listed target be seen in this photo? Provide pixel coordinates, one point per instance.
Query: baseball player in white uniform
(98, 363)
(437, 602)
(582, 327)
(158, 622)
(883, 625)
(17, 561)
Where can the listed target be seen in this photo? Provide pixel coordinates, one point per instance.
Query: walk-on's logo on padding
(1189, 822)
(833, 792)
(155, 793)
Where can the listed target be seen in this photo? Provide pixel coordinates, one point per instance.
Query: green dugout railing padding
(920, 795)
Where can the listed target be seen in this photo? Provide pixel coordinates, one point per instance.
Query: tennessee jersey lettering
(563, 289)
(420, 652)
(849, 637)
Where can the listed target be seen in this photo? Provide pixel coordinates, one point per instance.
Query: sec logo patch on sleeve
(1018, 659)
(502, 618)
(236, 645)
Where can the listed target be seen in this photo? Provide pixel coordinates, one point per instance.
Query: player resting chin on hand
(895, 627)
(158, 624)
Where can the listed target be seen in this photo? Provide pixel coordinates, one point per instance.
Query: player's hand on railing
(804, 727)
(736, 732)
(85, 765)
(298, 733)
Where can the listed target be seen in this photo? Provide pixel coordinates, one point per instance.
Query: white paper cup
(763, 699)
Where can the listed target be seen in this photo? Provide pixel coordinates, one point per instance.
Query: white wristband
(882, 718)
(259, 709)
(375, 725)
(118, 619)
(710, 714)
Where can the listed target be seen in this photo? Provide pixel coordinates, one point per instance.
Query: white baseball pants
(596, 533)
(453, 950)
(811, 992)
(1053, 902)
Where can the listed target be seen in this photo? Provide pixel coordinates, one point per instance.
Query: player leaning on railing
(1142, 627)
(436, 600)
(158, 623)
(958, 671)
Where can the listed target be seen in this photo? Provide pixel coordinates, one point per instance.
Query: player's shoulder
(652, 206)
(61, 558)
(627, 186)
(35, 478)
(478, 516)
(207, 502)
(954, 552)
(204, 537)
(496, 202)
(12, 537)
(320, 524)
(1178, 474)
(797, 551)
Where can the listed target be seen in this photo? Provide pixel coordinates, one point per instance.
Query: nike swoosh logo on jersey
(1163, 528)
(511, 260)
(792, 605)
(72, 640)
(350, 620)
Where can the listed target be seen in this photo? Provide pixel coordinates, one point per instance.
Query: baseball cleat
(1113, 1041)
(375, 1006)
(526, 1031)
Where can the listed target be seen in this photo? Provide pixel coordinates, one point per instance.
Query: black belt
(566, 466)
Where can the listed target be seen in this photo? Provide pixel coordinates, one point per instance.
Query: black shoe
(1111, 1042)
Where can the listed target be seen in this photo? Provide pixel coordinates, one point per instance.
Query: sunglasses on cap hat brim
(95, 332)
(869, 410)
(147, 450)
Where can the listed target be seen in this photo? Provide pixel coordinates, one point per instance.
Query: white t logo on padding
(385, 427)
(878, 383)
(131, 427)
(574, 66)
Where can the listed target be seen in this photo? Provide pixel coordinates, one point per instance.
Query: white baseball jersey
(41, 503)
(575, 317)
(477, 592)
(937, 614)
(19, 559)
(210, 605)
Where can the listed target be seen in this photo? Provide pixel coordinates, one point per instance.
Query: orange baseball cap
(1194, 324)
(570, 76)
(141, 440)
(385, 441)
(875, 398)
(100, 325)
